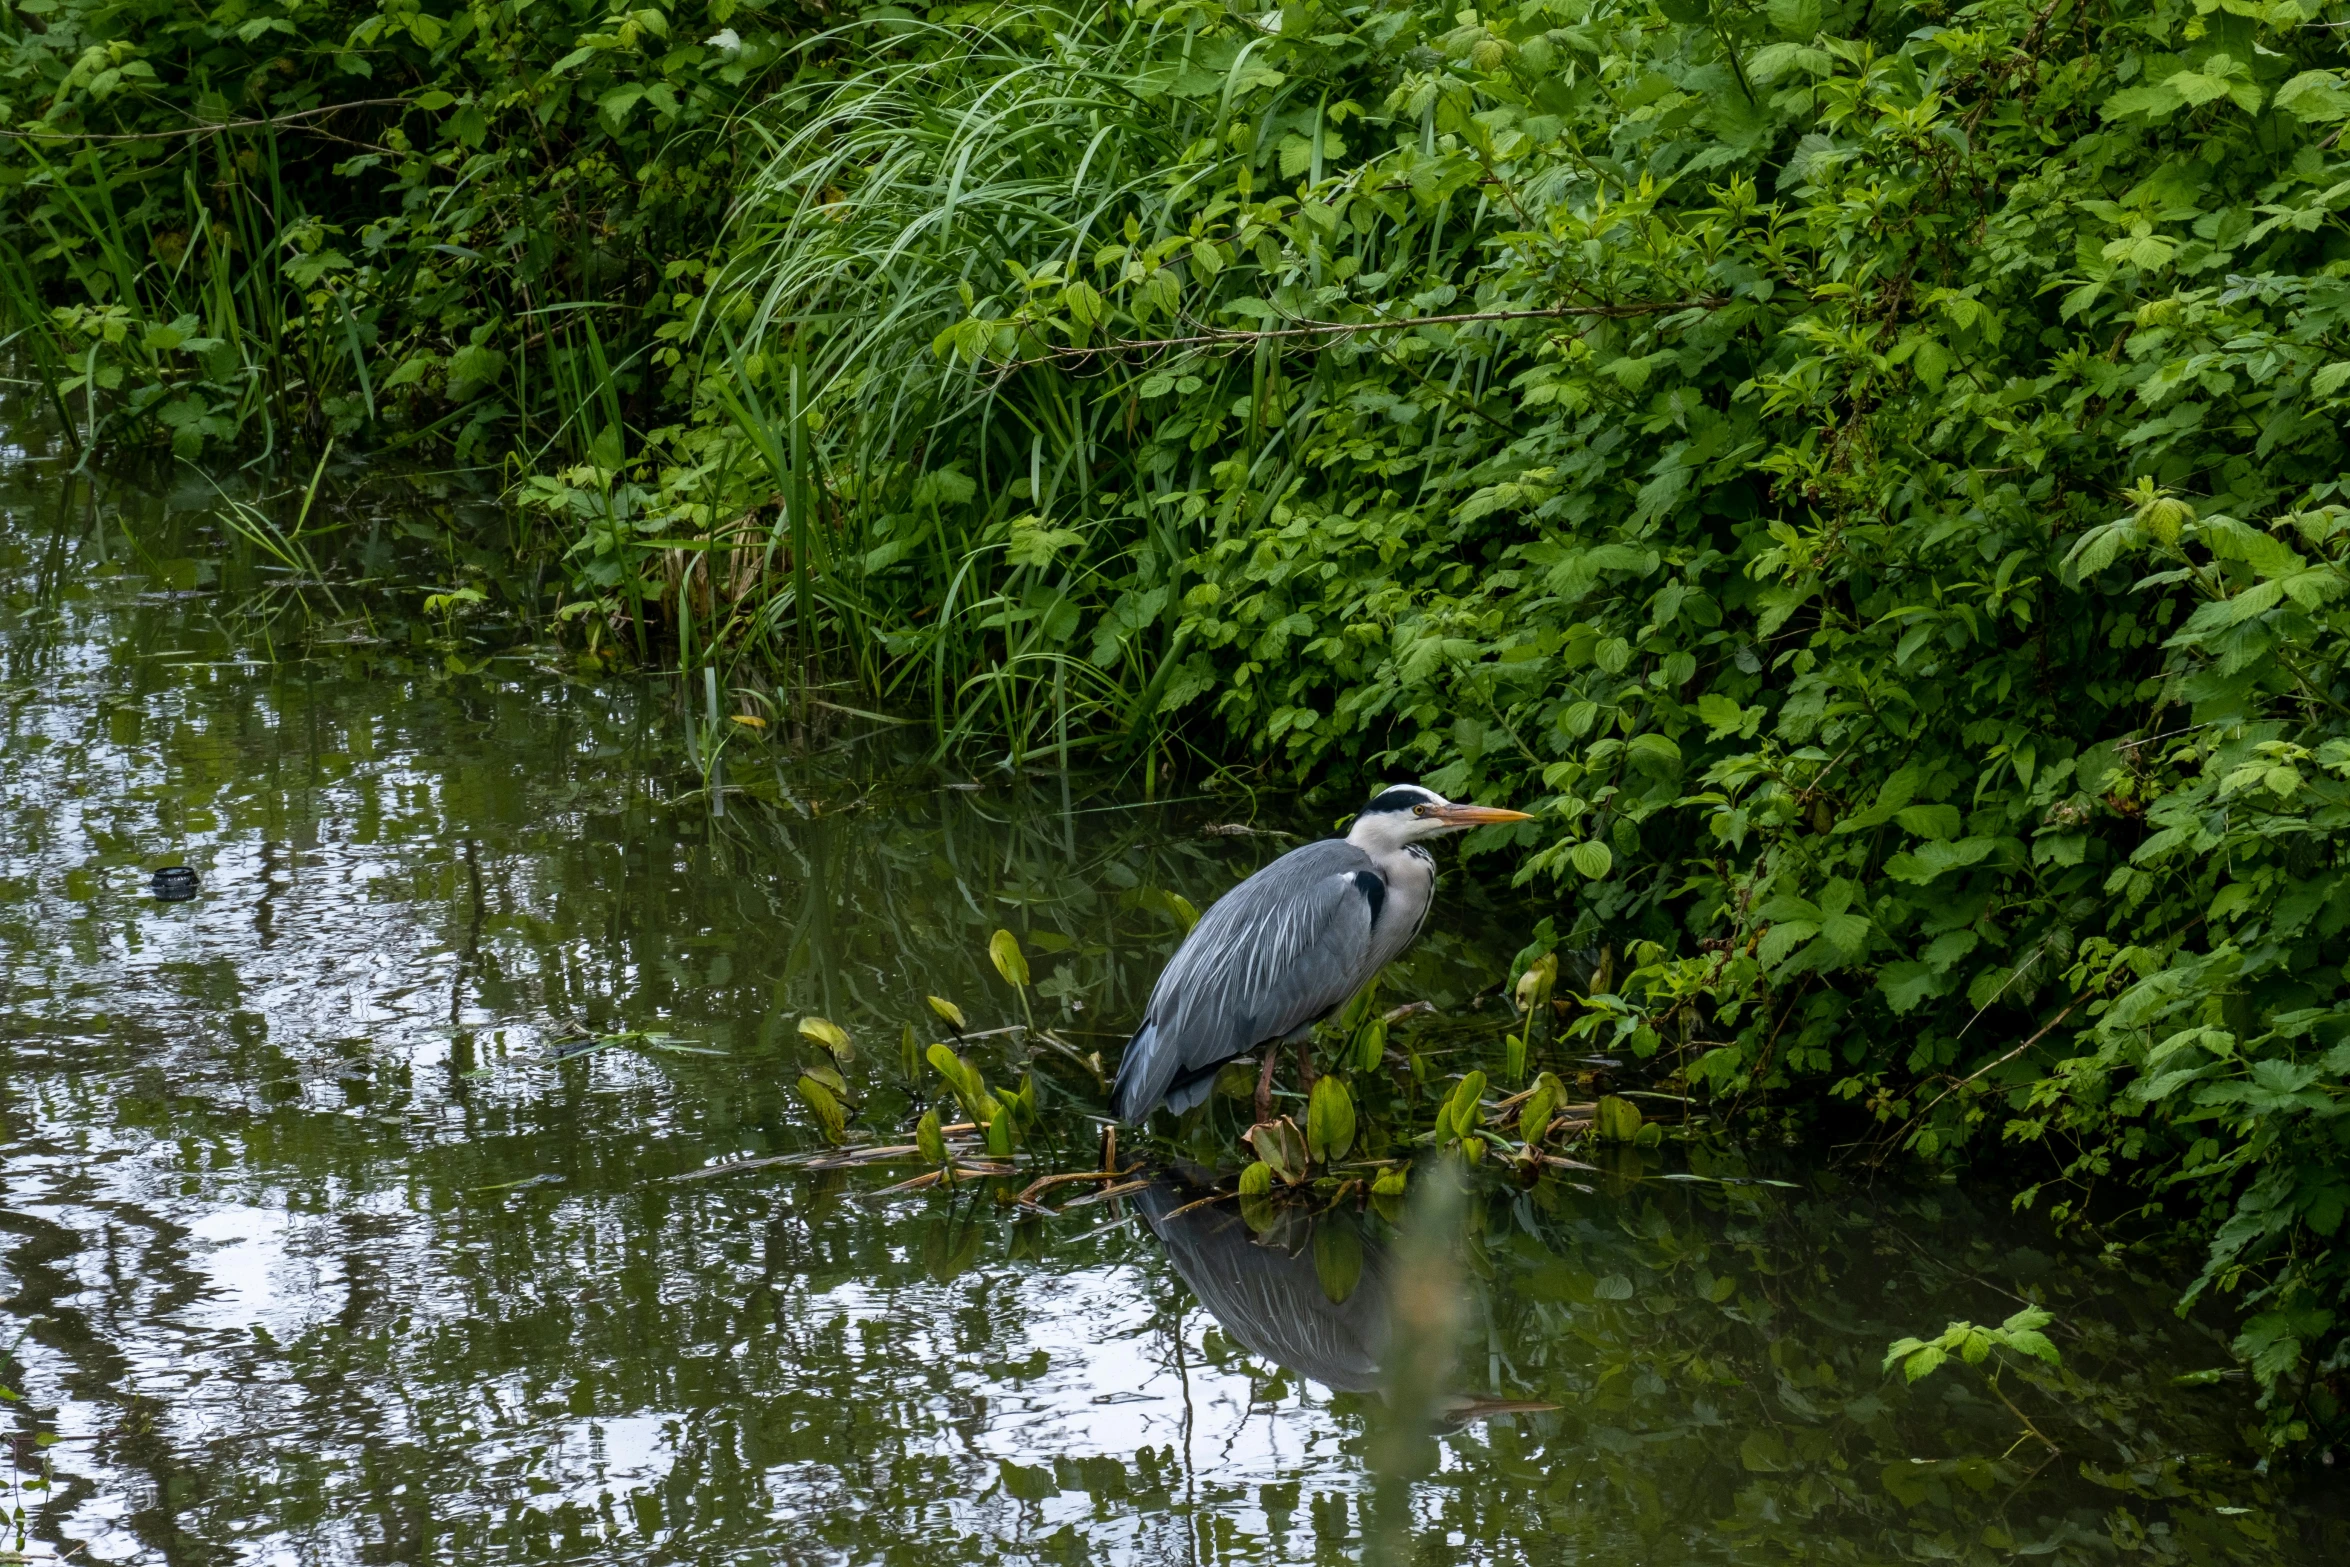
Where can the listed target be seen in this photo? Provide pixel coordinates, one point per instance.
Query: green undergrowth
(1869, 478)
(1870, 482)
(240, 229)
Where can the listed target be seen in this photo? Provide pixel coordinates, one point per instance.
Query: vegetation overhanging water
(364, 1208)
(1870, 477)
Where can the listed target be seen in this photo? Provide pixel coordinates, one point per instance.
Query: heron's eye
(1419, 810)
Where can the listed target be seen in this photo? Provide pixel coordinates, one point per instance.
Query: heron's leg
(1265, 1082)
(1305, 1064)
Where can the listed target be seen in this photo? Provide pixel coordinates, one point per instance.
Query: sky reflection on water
(320, 1258)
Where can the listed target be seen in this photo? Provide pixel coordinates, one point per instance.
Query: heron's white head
(1404, 814)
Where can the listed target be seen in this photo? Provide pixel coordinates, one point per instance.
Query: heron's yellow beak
(1476, 815)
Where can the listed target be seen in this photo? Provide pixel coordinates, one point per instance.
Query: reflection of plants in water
(2020, 1336)
(29, 1473)
(1705, 1363)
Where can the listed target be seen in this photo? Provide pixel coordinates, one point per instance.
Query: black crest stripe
(1395, 800)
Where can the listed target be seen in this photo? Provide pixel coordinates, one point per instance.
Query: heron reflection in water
(1313, 1295)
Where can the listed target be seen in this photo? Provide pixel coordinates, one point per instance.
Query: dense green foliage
(261, 223)
(1870, 478)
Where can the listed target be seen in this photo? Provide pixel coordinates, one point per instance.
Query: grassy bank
(1870, 478)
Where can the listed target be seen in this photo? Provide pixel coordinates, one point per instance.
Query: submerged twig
(1124, 1189)
(1045, 1183)
(1201, 1203)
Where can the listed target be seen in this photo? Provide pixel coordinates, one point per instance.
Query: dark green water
(316, 1255)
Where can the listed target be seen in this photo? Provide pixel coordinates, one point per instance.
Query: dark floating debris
(174, 884)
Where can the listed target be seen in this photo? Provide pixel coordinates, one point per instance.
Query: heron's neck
(1409, 871)
(1397, 862)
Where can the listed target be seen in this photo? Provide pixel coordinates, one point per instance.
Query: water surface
(322, 1249)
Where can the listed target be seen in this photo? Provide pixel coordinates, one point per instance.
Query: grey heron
(1289, 946)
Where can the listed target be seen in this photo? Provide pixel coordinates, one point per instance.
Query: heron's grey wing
(1278, 951)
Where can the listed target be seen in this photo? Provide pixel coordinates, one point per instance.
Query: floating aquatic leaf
(1371, 1045)
(571, 1049)
(1390, 1183)
(929, 1139)
(1618, 1120)
(999, 1134)
(1003, 949)
(951, 1014)
(1021, 1101)
(1513, 1056)
(830, 1079)
(1281, 1146)
(1025, 1484)
(960, 1075)
(1259, 1213)
(1534, 1116)
(831, 1120)
(1464, 1110)
(1174, 905)
(1330, 1121)
(828, 1034)
(1256, 1180)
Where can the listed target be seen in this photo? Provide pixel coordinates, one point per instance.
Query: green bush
(1871, 478)
(268, 221)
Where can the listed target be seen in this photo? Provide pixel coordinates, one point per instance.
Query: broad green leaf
(1330, 1120)
(1617, 1119)
(1908, 985)
(1535, 1115)
(1939, 823)
(828, 1035)
(1465, 1110)
(929, 1139)
(831, 1119)
(1003, 950)
(1281, 1147)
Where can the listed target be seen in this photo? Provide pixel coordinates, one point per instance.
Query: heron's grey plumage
(1271, 956)
(1285, 949)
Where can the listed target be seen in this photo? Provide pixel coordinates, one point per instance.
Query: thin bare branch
(1072, 352)
(2045, 1029)
(296, 117)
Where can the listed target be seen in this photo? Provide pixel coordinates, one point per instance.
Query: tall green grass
(969, 256)
(955, 524)
(180, 315)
